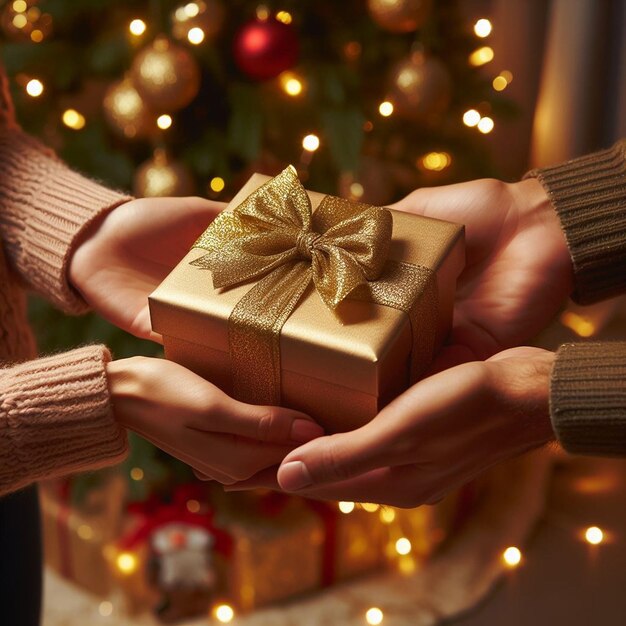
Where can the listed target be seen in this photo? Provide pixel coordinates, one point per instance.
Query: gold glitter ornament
(160, 176)
(126, 112)
(399, 16)
(420, 88)
(166, 75)
(208, 15)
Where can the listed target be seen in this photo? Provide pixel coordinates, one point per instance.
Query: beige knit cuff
(46, 208)
(56, 418)
(588, 398)
(589, 195)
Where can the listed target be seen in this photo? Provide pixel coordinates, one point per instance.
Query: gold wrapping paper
(274, 557)
(339, 366)
(74, 538)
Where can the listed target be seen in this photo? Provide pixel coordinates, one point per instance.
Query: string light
(370, 507)
(85, 531)
(34, 88)
(403, 546)
(19, 6)
(387, 516)
(164, 121)
(374, 616)
(191, 9)
(356, 191)
(471, 117)
(195, 35)
(193, 506)
(483, 28)
(224, 613)
(291, 84)
(508, 76)
(311, 143)
(73, 119)
(512, 556)
(36, 36)
(126, 562)
(284, 17)
(136, 473)
(346, 507)
(19, 20)
(580, 324)
(137, 27)
(105, 608)
(499, 83)
(436, 161)
(485, 125)
(594, 535)
(262, 13)
(481, 56)
(385, 108)
(217, 184)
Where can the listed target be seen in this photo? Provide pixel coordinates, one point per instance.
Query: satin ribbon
(273, 237)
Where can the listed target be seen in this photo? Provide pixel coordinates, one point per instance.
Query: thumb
(331, 459)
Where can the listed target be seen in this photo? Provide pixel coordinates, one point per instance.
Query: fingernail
(305, 430)
(293, 476)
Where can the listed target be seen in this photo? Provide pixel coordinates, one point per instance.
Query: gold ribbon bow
(273, 237)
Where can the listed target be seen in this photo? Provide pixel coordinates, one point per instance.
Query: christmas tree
(368, 99)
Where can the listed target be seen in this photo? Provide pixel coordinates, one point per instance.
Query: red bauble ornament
(264, 49)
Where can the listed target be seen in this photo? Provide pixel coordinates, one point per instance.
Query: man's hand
(518, 273)
(131, 251)
(435, 437)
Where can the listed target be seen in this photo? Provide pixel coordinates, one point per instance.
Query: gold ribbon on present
(275, 238)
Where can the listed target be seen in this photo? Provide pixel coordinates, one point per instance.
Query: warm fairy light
(19, 20)
(385, 108)
(193, 506)
(356, 190)
(481, 56)
(594, 535)
(262, 13)
(471, 117)
(34, 88)
(126, 562)
(403, 546)
(311, 143)
(499, 83)
(105, 608)
(224, 613)
(291, 84)
(346, 507)
(217, 184)
(368, 126)
(164, 121)
(374, 616)
(483, 28)
(195, 35)
(73, 119)
(485, 125)
(407, 565)
(370, 507)
(36, 36)
(512, 556)
(387, 515)
(19, 6)
(85, 531)
(284, 17)
(191, 9)
(137, 27)
(508, 76)
(581, 325)
(136, 473)
(436, 161)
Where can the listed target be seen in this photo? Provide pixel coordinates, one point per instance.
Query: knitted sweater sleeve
(55, 418)
(588, 385)
(45, 210)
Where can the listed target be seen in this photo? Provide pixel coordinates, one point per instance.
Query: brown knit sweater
(55, 415)
(588, 387)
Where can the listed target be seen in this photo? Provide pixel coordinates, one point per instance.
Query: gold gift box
(339, 369)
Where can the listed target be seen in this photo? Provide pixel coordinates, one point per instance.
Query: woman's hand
(436, 436)
(131, 251)
(518, 272)
(191, 419)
